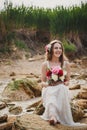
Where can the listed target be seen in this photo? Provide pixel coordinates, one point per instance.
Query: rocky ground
(11, 70)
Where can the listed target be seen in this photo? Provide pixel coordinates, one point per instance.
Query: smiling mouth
(58, 53)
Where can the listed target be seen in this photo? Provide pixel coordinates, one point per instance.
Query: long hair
(49, 51)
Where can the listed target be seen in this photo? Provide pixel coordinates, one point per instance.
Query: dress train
(57, 102)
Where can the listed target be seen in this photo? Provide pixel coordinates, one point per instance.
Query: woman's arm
(43, 75)
(68, 73)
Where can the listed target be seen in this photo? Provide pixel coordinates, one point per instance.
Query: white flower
(54, 77)
(64, 72)
(48, 47)
(62, 78)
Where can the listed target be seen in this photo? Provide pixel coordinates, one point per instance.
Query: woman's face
(57, 50)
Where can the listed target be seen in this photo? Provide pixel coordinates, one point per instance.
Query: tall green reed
(57, 20)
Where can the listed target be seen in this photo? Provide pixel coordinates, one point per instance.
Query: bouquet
(56, 74)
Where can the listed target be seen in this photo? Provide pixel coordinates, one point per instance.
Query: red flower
(48, 73)
(65, 80)
(60, 73)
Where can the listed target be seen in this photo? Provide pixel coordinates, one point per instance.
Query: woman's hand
(66, 83)
(44, 84)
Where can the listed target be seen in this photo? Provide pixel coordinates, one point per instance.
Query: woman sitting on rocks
(55, 81)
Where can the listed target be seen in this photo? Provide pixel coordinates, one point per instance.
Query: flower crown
(48, 46)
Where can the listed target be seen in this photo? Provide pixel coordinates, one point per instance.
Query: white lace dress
(57, 102)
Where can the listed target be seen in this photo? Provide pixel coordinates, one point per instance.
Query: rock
(34, 104)
(10, 104)
(15, 110)
(75, 87)
(33, 86)
(35, 122)
(73, 75)
(13, 74)
(31, 75)
(82, 103)
(33, 107)
(84, 87)
(84, 61)
(7, 125)
(73, 65)
(83, 76)
(39, 80)
(77, 112)
(39, 109)
(21, 90)
(2, 105)
(83, 120)
(16, 95)
(5, 100)
(85, 115)
(78, 61)
(82, 94)
(3, 118)
(30, 109)
(85, 110)
(36, 107)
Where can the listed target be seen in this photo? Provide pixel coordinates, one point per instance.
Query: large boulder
(7, 124)
(20, 90)
(35, 122)
(3, 118)
(82, 94)
(77, 112)
(82, 103)
(15, 110)
(2, 105)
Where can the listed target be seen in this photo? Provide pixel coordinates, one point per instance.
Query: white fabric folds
(57, 102)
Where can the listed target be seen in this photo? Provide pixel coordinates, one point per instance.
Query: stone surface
(82, 103)
(77, 86)
(82, 94)
(35, 122)
(15, 110)
(77, 112)
(2, 105)
(21, 90)
(7, 125)
(3, 118)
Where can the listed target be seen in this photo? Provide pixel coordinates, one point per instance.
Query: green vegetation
(16, 84)
(69, 47)
(57, 20)
(21, 44)
(5, 49)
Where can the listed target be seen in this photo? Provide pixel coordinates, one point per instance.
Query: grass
(69, 47)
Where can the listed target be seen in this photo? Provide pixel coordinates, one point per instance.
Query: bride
(55, 81)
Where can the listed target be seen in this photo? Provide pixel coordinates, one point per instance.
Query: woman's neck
(55, 60)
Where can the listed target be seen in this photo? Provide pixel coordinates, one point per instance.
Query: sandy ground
(21, 68)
